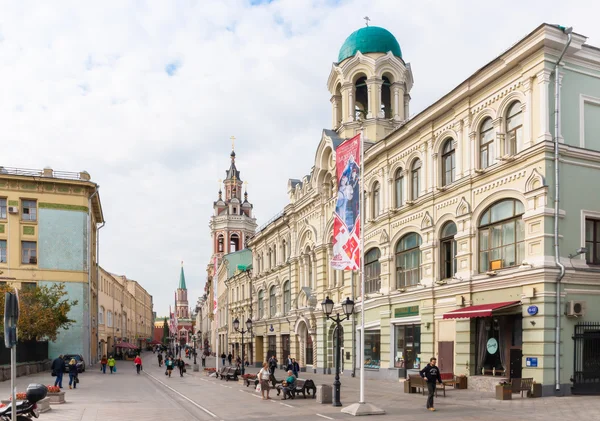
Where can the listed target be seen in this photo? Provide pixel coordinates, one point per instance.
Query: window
(487, 153)
(514, 129)
(28, 285)
(272, 346)
(261, 309)
(448, 249)
(372, 349)
(2, 251)
(592, 241)
(101, 316)
(408, 346)
(2, 208)
(399, 187)
(408, 260)
(109, 321)
(372, 271)
(275, 255)
(29, 212)
(448, 162)
(375, 202)
(220, 243)
(415, 177)
(234, 243)
(308, 349)
(501, 236)
(29, 252)
(272, 302)
(287, 297)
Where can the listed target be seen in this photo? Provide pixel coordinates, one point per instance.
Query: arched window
(101, 316)
(399, 187)
(408, 260)
(514, 129)
(372, 271)
(220, 243)
(287, 297)
(234, 243)
(415, 179)
(487, 153)
(448, 163)
(376, 201)
(501, 236)
(261, 304)
(275, 255)
(109, 320)
(448, 250)
(361, 98)
(272, 302)
(386, 98)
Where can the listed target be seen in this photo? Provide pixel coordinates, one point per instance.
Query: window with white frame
(399, 187)
(408, 260)
(448, 162)
(261, 308)
(287, 297)
(272, 302)
(415, 179)
(487, 152)
(101, 316)
(514, 129)
(375, 202)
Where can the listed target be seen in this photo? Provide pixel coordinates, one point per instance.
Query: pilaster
(543, 78)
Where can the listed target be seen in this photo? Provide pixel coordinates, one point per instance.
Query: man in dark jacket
(431, 374)
(58, 368)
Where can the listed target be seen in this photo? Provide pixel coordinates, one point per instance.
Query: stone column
(435, 179)
(467, 152)
(347, 103)
(398, 101)
(329, 268)
(499, 143)
(406, 104)
(385, 191)
(543, 78)
(526, 109)
(336, 116)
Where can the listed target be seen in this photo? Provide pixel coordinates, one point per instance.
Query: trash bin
(324, 392)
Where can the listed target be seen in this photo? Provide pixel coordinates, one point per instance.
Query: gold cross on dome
(367, 20)
(232, 142)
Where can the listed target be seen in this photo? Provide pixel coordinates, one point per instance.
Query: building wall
(69, 341)
(63, 239)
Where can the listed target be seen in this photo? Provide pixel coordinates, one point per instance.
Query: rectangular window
(28, 252)
(408, 346)
(272, 346)
(2, 208)
(2, 251)
(372, 349)
(28, 285)
(592, 241)
(29, 210)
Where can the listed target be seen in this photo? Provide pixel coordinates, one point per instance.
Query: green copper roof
(182, 279)
(236, 259)
(370, 39)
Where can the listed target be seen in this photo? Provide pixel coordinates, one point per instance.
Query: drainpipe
(89, 245)
(98, 270)
(556, 203)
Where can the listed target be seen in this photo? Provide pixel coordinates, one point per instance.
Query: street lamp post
(195, 368)
(236, 326)
(348, 307)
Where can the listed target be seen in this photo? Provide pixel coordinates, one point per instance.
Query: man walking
(431, 373)
(229, 358)
(223, 357)
(58, 368)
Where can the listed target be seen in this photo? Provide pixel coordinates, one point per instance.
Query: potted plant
(461, 381)
(504, 391)
(56, 395)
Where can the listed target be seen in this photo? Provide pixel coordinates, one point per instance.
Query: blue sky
(145, 96)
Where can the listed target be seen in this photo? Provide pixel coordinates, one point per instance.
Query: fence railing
(46, 173)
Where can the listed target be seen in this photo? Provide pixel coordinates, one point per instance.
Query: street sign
(532, 310)
(11, 317)
(531, 362)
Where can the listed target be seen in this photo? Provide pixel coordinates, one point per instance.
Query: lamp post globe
(249, 324)
(236, 324)
(348, 306)
(327, 305)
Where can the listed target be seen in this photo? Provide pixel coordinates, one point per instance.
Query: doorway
(516, 363)
(446, 356)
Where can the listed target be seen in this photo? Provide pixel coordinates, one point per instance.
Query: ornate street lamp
(236, 326)
(194, 340)
(348, 308)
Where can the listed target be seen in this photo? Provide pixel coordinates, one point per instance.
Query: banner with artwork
(346, 224)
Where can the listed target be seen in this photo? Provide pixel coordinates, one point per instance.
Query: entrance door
(516, 363)
(259, 349)
(285, 349)
(446, 356)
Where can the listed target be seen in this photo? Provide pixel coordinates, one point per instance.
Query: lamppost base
(359, 409)
(196, 367)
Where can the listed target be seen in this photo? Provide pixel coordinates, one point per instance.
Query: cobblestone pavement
(153, 396)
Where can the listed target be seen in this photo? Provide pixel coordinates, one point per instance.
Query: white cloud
(84, 86)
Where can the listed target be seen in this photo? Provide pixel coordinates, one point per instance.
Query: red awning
(126, 345)
(482, 310)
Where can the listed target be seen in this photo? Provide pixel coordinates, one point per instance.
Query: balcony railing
(46, 173)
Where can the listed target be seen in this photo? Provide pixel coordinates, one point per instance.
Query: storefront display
(408, 346)
(372, 349)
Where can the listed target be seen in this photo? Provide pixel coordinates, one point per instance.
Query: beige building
(125, 313)
(459, 222)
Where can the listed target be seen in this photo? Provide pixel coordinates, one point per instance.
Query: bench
(449, 379)
(526, 385)
(418, 382)
(254, 381)
(221, 372)
(301, 386)
(231, 373)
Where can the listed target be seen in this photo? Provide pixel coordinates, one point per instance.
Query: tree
(165, 337)
(43, 310)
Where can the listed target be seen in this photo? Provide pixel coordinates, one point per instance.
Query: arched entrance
(332, 342)
(305, 344)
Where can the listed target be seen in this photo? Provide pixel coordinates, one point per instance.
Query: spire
(182, 278)
(232, 172)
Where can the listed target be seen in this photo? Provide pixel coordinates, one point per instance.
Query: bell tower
(370, 85)
(233, 220)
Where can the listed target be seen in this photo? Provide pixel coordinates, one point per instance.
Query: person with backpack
(103, 362)
(169, 364)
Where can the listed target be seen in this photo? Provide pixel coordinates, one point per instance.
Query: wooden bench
(232, 374)
(221, 372)
(418, 382)
(449, 379)
(301, 386)
(526, 385)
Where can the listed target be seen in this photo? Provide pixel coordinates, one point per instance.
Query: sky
(145, 95)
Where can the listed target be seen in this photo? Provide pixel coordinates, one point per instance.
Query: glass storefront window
(372, 349)
(408, 346)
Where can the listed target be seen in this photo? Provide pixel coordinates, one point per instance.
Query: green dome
(370, 39)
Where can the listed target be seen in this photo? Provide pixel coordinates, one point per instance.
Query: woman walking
(264, 374)
(104, 361)
(138, 363)
(169, 364)
(111, 364)
(73, 374)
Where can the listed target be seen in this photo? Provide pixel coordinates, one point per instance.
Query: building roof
(237, 259)
(370, 39)
(182, 279)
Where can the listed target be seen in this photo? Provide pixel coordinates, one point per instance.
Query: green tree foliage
(165, 332)
(43, 310)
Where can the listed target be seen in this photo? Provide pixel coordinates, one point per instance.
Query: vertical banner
(346, 224)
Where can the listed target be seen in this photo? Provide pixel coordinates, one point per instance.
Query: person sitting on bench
(289, 385)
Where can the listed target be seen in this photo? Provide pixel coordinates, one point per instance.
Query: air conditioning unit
(13, 209)
(575, 308)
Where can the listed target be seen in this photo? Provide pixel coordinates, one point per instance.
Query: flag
(346, 223)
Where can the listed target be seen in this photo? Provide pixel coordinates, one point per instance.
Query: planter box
(44, 404)
(461, 382)
(503, 393)
(56, 398)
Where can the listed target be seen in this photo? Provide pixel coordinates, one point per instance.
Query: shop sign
(532, 310)
(531, 362)
(492, 346)
(406, 311)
